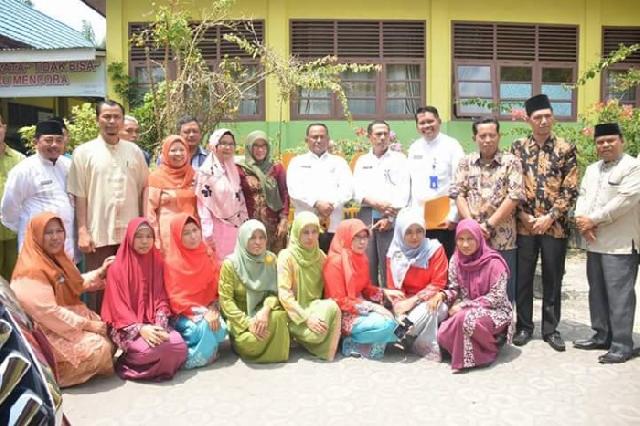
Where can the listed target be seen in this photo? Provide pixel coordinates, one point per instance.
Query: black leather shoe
(613, 358)
(555, 341)
(589, 345)
(521, 338)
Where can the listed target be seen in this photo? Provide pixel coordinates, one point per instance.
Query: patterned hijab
(57, 270)
(481, 269)
(176, 178)
(354, 265)
(261, 170)
(257, 273)
(401, 256)
(190, 275)
(309, 261)
(135, 286)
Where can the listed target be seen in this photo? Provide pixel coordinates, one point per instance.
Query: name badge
(433, 182)
(46, 182)
(417, 157)
(367, 167)
(305, 167)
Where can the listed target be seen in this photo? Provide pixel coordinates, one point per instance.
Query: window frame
(336, 111)
(626, 65)
(496, 65)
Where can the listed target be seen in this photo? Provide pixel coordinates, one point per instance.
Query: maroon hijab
(135, 287)
(480, 270)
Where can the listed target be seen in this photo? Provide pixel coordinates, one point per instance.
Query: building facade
(437, 52)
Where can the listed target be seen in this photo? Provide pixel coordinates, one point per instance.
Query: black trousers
(612, 299)
(446, 237)
(324, 241)
(553, 252)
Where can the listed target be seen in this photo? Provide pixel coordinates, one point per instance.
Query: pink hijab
(218, 184)
(480, 270)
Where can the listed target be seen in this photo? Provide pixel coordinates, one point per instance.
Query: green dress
(300, 290)
(233, 303)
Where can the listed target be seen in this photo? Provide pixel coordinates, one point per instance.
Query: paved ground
(529, 386)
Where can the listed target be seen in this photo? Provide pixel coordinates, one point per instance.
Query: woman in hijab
(48, 286)
(191, 279)
(367, 326)
(136, 308)
(220, 200)
(249, 301)
(314, 323)
(417, 266)
(480, 313)
(265, 189)
(170, 189)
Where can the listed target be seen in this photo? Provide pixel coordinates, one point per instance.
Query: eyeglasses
(229, 144)
(361, 238)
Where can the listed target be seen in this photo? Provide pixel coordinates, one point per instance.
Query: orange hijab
(354, 265)
(190, 275)
(56, 270)
(176, 178)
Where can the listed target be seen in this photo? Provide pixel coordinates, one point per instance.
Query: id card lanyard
(433, 178)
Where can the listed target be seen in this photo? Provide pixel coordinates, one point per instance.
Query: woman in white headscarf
(220, 201)
(417, 270)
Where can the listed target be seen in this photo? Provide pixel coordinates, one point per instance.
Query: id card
(433, 182)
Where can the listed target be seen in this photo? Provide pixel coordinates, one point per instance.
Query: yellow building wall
(589, 15)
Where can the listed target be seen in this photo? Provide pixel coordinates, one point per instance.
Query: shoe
(555, 341)
(521, 338)
(613, 358)
(589, 345)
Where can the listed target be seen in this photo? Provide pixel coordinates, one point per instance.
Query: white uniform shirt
(37, 185)
(385, 178)
(610, 196)
(326, 178)
(432, 166)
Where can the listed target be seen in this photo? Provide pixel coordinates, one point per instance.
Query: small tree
(213, 95)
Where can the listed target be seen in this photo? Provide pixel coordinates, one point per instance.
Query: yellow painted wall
(589, 15)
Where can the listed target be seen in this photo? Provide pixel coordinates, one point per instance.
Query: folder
(436, 211)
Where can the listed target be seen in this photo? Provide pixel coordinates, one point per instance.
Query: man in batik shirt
(550, 185)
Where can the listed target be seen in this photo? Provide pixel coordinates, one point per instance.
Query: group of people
(200, 248)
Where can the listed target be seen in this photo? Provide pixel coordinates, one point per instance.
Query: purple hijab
(480, 270)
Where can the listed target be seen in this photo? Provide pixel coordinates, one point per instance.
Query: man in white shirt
(382, 187)
(608, 217)
(433, 161)
(39, 184)
(320, 182)
(107, 177)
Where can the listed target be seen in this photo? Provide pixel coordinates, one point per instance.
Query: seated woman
(191, 279)
(417, 266)
(367, 326)
(136, 308)
(170, 189)
(220, 199)
(477, 293)
(264, 184)
(314, 323)
(249, 301)
(48, 286)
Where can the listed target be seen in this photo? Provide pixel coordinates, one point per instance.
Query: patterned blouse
(485, 187)
(550, 181)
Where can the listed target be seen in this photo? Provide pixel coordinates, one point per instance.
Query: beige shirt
(111, 178)
(610, 196)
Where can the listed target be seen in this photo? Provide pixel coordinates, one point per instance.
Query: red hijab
(355, 266)
(480, 270)
(135, 289)
(56, 270)
(190, 275)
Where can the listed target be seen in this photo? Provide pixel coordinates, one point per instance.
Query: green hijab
(257, 273)
(310, 261)
(261, 170)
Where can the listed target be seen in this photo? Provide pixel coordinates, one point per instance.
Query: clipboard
(436, 211)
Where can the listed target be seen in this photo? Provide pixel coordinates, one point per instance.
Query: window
(394, 92)
(612, 37)
(504, 64)
(214, 49)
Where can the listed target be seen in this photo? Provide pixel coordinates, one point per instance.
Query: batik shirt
(550, 181)
(485, 187)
